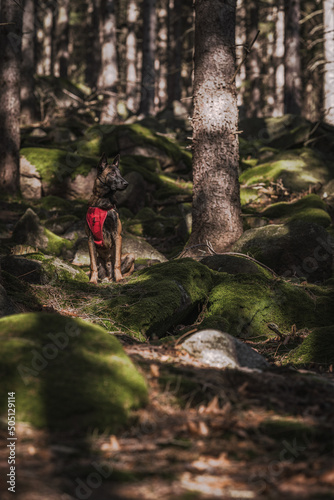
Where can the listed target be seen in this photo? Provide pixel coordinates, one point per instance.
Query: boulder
(133, 197)
(7, 307)
(29, 231)
(232, 264)
(318, 347)
(30, 180)
(71, 375)
(40, 269)
(297, 248)
(61, 224)
(220, 350)
(140, 248)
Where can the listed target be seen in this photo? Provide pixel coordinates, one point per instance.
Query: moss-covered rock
(298, 169)
(244, 304)
(234, 264)
(29, 231)
(62, 172)
(310, 208)
(160, 297)
(318, 347)
(66, 373)
(297, 248)
(58, 225)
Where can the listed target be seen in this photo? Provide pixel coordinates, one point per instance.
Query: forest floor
(206, 433)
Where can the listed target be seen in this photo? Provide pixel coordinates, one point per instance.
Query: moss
(53, 203)
(318, 347)
(54, 165)
(248, 195)
(161, 296)
(249, 302)
(67, 374)
(310, 208)
(56, 270)
(56, 244)
(298, 169)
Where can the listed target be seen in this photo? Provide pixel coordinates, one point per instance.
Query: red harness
(95, 219)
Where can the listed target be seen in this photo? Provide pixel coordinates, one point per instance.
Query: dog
(103, 225)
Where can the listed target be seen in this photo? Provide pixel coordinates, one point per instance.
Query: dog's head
(110, 175)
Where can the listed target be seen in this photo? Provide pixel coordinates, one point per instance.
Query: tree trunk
(10, 58)
(28, 101)
(48, 27)
(147, 103)
(216, 200)
(93, 47)
(241, 43)
(253, 62)
(278, 109)
(174, 51)
(162, 55)
(109, 67)
(62, 38)
(131, 56)
(329, 61)
(292, 65)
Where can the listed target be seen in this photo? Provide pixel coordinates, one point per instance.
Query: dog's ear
(102, 163)
(116, 161)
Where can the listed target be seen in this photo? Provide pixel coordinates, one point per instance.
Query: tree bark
(329, 61)
(131, 56)
(174, 51)
(161, 56)
(292, 65)
(28, 101)
(62, 38)
(48, 27)
(216, 200)
(147, 104)
(278, 109)
(10, 58)
(253, 62)
(109, 66)
(93, 47)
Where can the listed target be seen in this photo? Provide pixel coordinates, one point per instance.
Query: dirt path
(206, 433)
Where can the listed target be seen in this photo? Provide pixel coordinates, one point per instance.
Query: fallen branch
(247, 51)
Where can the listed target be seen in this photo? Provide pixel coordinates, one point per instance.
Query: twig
(247, 49)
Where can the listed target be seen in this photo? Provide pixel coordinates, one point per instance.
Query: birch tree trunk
(292, 65)
(216, 200)
(48, 26)
(10, 58)
(147, 104)
(329, 61)
(109, 67)
(278, 109)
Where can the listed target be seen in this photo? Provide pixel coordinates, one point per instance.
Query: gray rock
(27, 270)
(30, 180)
(220, 350)
(298, 248)
(29, 231)
(141, 249)
(130, 244)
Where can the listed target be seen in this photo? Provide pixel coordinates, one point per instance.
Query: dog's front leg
(118, 252)
(93, 260)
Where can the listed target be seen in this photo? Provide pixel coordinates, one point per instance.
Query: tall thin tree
(61, 55)
(109, 68)
(253, 62)
(131, 56)
(10, 57)
(148, 71)
(174, 50)
(329, 61)
(292, 63)
(216, 200)
(28, 100)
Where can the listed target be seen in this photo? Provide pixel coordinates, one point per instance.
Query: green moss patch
(66, 373)
(318, 347)
(310, 208)
(160, 297)
(54, 165)
(245, 304)
(298, 169)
